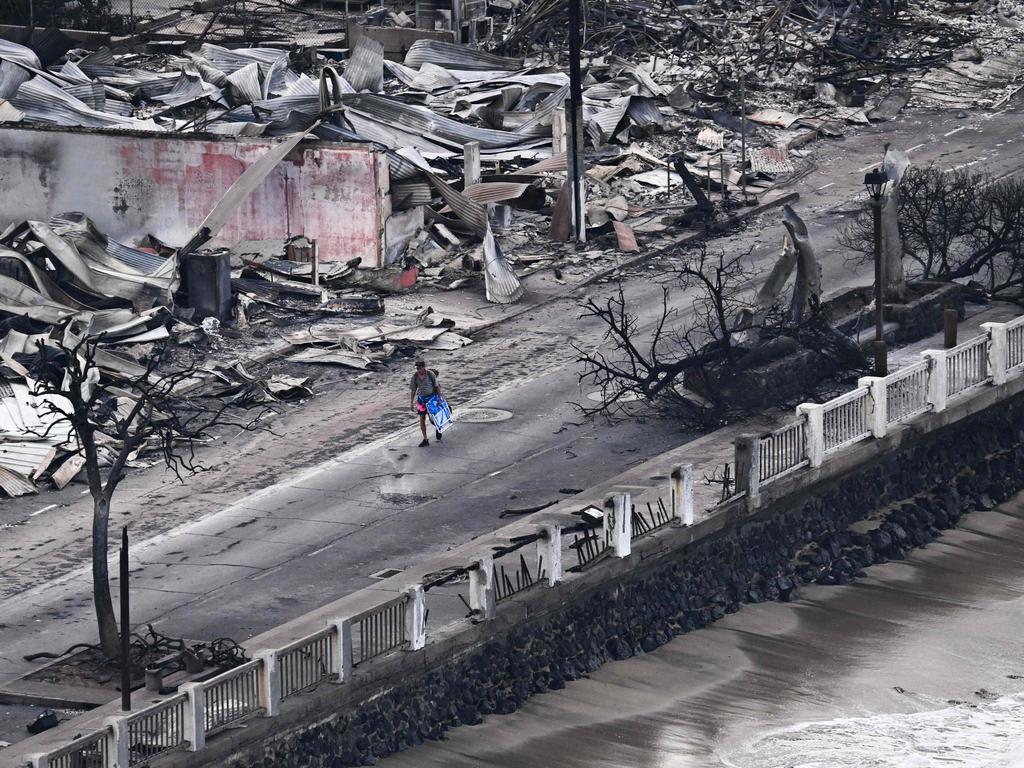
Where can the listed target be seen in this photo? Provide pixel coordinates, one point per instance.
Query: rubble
(699, 109)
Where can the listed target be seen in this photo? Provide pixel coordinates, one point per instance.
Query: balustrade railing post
(118, 755)
(416, 617)
(998, 350)
(936, 378)
(877, 403)
(195, 716)
(618, 525)
(549, 551)
(481, 588)
(747, 460)
(814, 426)
(39, 760)
(682, 494)
(270, 683)
(343, 644)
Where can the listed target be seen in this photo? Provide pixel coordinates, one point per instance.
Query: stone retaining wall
(906, 496)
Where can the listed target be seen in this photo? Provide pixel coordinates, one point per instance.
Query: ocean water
(919, 664)
(985, 735)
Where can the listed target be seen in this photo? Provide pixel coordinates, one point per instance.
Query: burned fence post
(549, 552)
(618, 523)
(682, 494)
(470, 164)
(481, 588)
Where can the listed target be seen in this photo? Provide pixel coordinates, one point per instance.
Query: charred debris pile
(689, 113)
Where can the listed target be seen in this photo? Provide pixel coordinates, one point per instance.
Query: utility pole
(126, 635)
(743, 136)
(875, 182)
(575, 120)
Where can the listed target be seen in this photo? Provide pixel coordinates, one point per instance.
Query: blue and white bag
(440, 413)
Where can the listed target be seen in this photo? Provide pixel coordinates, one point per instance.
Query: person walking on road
(422, 387)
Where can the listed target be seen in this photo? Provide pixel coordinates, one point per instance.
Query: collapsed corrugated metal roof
(453, 56)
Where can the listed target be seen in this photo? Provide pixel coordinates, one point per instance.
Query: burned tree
(699, 362)
(110, 423)
(954, 225)
(690, 347)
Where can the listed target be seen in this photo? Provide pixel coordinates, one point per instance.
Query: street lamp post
(875, 183)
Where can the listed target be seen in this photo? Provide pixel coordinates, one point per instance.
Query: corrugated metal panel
(245, 83)
(9, 113)
(409, 194)
(473, 214)
(73, 73)
(420, 120)
(495, 191)
(11, 75)
(502, 285)
(102, 63)
(44, 102)
(645, 113)
(26, 458)
(365, 69)
(453, 56)
(280, 107)
(553, 164)
(228, 61)
(14, 484)
(190, 87)
(145, 262)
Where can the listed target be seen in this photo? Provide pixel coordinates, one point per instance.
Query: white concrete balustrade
(879, 402)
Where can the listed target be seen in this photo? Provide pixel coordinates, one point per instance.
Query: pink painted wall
(131, 185)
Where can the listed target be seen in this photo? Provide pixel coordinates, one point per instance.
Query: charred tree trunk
(106, 620)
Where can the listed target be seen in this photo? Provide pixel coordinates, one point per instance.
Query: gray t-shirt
(423, 387)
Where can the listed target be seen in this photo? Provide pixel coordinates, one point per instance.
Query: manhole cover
(625, 397)
(483, 415)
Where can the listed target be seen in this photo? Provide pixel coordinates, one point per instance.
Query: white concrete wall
(132, 185)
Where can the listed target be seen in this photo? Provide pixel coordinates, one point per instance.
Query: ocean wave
(984, 735)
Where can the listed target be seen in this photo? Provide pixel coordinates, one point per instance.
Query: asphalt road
(241, 561)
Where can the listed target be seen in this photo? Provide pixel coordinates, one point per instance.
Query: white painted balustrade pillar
(878, 404)
(814, 425)
(416, 617)
(936, 378)
(549, 551)
(681, 494)
(195, 716)
(618, 523)
(343, 645)
(119, 753)
(998, 351)
(481, 587)
(269, 683)
(747, 460)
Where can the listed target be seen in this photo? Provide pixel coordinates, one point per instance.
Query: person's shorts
(421, 405)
